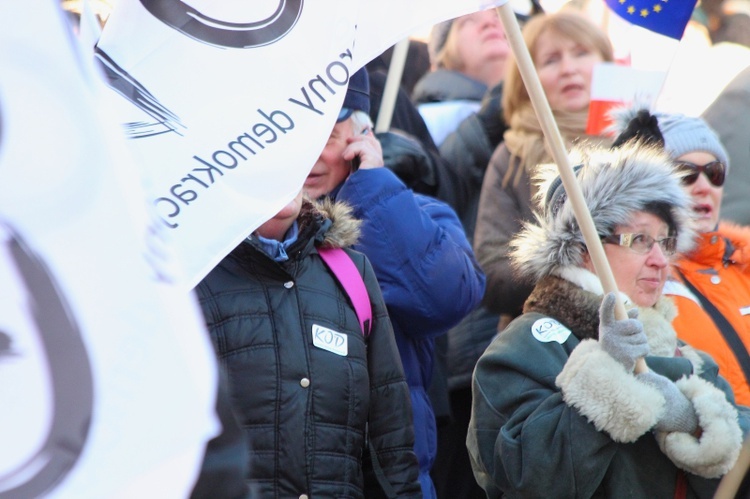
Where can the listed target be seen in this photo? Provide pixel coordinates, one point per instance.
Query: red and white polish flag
(614, 85)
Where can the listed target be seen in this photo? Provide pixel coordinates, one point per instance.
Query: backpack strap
(350, 279)
(725, 328)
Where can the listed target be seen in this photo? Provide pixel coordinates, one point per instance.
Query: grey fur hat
(615, 184)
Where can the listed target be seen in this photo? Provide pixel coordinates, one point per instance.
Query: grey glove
(624, 340)
(679, 414)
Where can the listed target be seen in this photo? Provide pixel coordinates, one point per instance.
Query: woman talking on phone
(417, 246)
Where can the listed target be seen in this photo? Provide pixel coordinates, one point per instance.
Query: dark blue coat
(429, 278)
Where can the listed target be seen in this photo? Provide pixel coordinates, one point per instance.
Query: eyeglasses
(642, 243)
(715, 171)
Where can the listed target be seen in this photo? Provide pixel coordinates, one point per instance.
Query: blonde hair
(567, 23)
(448, 56)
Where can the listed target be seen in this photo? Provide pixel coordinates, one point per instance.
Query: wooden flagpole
(560, 156)
(731, 482)
(392, 83)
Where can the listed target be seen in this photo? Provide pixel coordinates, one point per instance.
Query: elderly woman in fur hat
(557, 409)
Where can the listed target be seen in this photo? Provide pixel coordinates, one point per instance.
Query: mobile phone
(356, 160)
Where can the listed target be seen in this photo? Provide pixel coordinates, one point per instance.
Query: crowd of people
(425, 318)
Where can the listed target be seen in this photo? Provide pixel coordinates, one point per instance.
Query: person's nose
(567, 64)
(491, 20)
(657, 257)
(701, 185)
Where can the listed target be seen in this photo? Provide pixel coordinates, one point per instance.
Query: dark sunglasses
(715, 171)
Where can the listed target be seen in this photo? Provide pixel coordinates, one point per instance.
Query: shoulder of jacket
(674, 287)
(739, 235)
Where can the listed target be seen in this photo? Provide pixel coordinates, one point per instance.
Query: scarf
(527, 146)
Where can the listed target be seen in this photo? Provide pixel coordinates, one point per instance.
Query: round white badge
(547, 330)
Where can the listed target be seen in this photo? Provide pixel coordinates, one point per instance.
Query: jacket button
(304, 382)
(715, 279)
(714, 239)
(289, 284)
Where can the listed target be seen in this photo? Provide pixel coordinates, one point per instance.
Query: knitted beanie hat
(615, 183)
(438, 37)
(357, 96)
(685, 134)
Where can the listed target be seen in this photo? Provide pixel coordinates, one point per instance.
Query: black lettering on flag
(68, 370)
(198, 26)
(174, 213)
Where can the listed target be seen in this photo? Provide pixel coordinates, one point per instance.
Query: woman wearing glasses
(557, 410)
(710, 284)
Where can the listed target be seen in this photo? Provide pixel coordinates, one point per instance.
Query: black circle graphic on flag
(195, 24)
(43, 344)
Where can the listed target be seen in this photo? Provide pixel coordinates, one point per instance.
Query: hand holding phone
(356, 161)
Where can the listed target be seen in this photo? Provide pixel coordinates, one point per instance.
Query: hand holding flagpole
(560, 156)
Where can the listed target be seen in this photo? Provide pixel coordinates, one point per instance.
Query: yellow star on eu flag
(666, 17)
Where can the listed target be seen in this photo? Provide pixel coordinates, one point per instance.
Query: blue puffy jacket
(429, 278)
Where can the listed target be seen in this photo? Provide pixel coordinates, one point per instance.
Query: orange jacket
(725, 281)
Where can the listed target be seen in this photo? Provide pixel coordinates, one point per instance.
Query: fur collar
(578, 309)
(325, 223)
(343, 230)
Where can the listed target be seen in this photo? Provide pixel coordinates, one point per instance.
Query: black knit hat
(357, 95)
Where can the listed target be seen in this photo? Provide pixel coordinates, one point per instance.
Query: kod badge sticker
(330, 340)
(547, 330)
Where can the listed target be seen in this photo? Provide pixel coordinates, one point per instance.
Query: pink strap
(347, 274)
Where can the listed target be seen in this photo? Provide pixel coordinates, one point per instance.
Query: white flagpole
(392, 82)
(559, 154)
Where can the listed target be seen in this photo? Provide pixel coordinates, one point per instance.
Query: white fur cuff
(608, 396)
(713, 453)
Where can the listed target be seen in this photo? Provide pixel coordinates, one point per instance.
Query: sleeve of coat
(519, 420)
(501, 210)
(467, 152)
(390, 427)
(425, 265)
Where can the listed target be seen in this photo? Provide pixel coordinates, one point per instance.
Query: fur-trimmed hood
(343, 230)
(322, 223)
(615, 184)
(739, 236)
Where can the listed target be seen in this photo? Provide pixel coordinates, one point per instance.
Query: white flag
(107, 378)
(228, 104)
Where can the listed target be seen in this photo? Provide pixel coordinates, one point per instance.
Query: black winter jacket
(305, 408)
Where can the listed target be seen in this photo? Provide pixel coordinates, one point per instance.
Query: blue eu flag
(666, 17)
